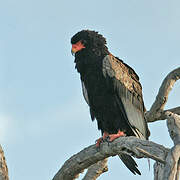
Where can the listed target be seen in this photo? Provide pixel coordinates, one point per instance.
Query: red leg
(105, 135)
(112, 137)
(100, 140)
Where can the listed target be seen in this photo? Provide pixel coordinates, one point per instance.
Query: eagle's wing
(128, 90)
(85, 94)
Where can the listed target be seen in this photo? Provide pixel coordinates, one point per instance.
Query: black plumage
(111, 88)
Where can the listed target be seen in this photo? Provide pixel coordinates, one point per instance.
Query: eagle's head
(89, 41)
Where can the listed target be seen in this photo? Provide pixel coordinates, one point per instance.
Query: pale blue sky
(43, 116)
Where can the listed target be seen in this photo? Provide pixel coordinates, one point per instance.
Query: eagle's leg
(100, 140)
(112, 137)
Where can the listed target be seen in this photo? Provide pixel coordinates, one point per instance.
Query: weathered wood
(161, 115)
(173, 124)
(95, 170)
(167, 164)
(158, 171)
(91, 155)
(3, 166)
(158, 106)
(171, 165)
(178, 171)
(171, 169)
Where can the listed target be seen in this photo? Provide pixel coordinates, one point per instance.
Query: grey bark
(95, 170)
(167, 166)
(157, 109)
(3, 166)
(170, 170)
(90, 155)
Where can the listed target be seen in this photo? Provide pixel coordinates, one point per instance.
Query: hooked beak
(77, 47)
(74, 49)
(72, 52)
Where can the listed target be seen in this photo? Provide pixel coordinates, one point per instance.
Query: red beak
(77, 47)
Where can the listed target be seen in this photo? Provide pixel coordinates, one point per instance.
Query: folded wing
(128, 90)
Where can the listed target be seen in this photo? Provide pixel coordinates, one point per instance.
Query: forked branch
(167, 163)
(90, 155)
(156, 111)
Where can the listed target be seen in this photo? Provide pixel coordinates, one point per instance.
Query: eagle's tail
(129, 163)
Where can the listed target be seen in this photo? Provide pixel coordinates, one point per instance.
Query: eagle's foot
(112, 137)
(100, 140)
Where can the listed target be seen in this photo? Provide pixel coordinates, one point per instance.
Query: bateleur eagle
(112, 90)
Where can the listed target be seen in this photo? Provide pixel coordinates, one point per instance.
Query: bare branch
(152, 156)
(167, 171)
(95, 170)
(173, 157)
(158, 171)
(171, 166)
(173, 124)
(167, 161)
(162, 97)
(178, 171)
(3, 166)
(91, 155)
(170, 170)
(161, 115)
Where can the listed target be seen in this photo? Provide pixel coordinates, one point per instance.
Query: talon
(109, 137)
(112, 137)
(100, 140)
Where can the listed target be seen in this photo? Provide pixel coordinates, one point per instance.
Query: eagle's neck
(89, 59)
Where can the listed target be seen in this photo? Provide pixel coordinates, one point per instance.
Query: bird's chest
(99, 93)
(95, 83)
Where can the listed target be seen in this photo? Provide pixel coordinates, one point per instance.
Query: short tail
(130, 163)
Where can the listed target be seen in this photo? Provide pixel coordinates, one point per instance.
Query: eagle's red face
(77, 47)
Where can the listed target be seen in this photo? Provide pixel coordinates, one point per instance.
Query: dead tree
(167, 165)
(3, 166)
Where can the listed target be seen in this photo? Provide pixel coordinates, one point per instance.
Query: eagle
(112, 90)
